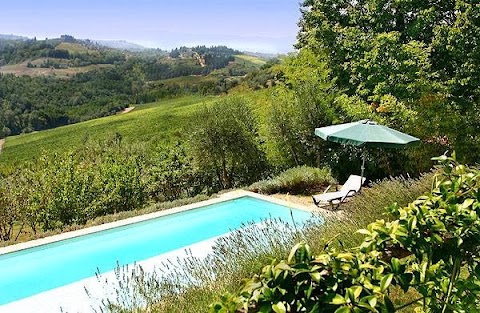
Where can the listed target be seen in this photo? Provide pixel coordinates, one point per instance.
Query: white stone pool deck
(73, 298)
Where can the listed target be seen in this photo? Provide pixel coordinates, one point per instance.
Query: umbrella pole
(362, 168)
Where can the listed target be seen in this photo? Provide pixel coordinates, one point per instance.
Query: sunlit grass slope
(159, 122)
(74, 48)
(250, 59)
(186, 80)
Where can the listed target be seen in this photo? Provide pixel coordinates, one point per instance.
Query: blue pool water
(31, 271)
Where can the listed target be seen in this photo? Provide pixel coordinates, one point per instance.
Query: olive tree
(224, 141)
(8, 211)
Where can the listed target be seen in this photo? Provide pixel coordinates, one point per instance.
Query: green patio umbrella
(366, 133)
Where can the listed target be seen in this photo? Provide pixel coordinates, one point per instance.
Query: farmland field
(74, 48)
(187, 80)
(250, 59)
(162, 121)
(23, 69)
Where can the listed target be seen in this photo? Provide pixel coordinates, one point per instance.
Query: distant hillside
(12, 37)
(252, 59)
(66, 56)
(261, 55)
(55, 82)
(162, 122)
(121, 45)
(51, 67)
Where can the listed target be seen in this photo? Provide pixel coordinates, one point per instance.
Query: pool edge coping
(144, 217)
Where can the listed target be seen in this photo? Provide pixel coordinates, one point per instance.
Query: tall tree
(225, 141)
(303, 101)
(405, 55)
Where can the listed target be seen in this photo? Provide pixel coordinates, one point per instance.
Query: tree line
(17, 51)
(412, 67)
(415, 65)
(36, 103)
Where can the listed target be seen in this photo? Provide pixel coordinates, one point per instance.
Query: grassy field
(162, 121)
(73, 48)
(155, 124)
(21, 69)
(249, 59)
(186, 80)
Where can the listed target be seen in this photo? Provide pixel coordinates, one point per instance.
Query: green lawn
(162, 121)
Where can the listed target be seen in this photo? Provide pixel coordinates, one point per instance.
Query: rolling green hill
(253, 60)
(162, 121)
(74, 48)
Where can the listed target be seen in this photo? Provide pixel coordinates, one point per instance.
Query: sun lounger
(350, 188)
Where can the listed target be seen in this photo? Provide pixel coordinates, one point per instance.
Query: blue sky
(254, 25)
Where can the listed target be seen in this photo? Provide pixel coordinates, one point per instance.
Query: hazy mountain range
(12, 37)
(130, 46)
(121, 44)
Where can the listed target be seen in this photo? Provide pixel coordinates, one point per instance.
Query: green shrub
(224, 141)
(297, 180)
(61, 191)
(172, 175)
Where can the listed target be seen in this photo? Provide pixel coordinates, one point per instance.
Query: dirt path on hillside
(2, 141)
(199, 59)
(126, 110)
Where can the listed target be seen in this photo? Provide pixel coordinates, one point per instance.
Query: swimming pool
(28, 272)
